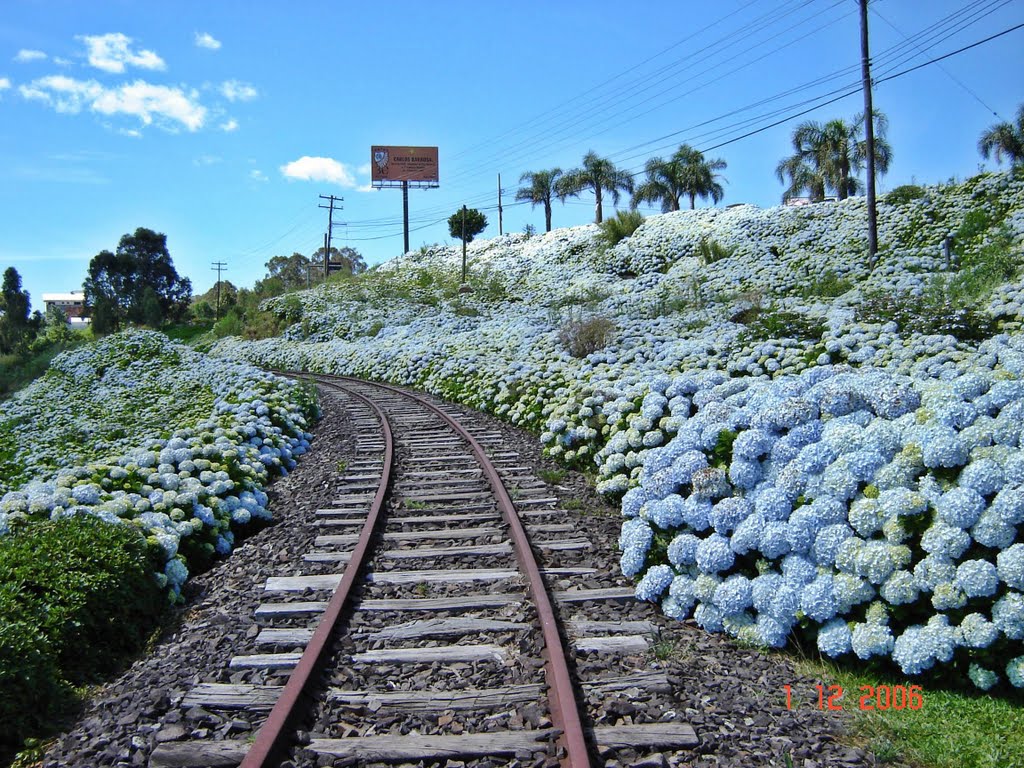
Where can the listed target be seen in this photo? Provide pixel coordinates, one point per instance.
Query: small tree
(465, 224)
(14, 303)
(476, 223)
(293, 271)
(346, 260)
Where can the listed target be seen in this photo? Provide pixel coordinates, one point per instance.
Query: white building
(72, 304)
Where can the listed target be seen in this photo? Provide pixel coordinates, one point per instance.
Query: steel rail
(561, 692)
(273, 737)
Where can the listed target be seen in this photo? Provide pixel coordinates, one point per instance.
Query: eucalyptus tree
(599, 175)
(15, 324)
(1005, 139)
(116, 283)
(828, 156)
(539, 189)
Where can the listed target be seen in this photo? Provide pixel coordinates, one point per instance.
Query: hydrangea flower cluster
(187, 476)
(856, 510)
(752, 422)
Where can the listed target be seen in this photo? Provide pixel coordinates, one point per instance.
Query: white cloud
(236, 90)
(364, 169)
(111, 52)
(229, 126)
(319, 169)
(146, 101)
(206, 40)
(61, 62)
(204, 160)
(258, 175)
(132, 133)
(366, 188)
(26, 55)
(4, 83)
(63, 93)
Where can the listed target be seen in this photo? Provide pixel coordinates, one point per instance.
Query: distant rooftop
(70, 296)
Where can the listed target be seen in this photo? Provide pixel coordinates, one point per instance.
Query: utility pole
(327, 251)
(500, 231)
(405, 213)
(218, 267)
(869, 132)
(330, 226)
(463, 244)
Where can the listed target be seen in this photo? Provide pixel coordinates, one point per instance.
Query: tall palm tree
(540, 190)
(699, 177)
(1005, 139)
(685, 173)
(829, 155)
(597, 174)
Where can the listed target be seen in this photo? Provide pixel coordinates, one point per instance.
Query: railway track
(448, 612)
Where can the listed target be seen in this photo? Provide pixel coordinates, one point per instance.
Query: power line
(949, 74)
(952, 53)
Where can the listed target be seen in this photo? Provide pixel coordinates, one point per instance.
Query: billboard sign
(397, 164)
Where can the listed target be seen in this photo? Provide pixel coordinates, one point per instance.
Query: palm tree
(699, 177)
(828, 156)
(685, 173)
(597, 174)
(540, 190)
(1005, 139)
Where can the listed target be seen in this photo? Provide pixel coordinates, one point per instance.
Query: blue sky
(219, 124)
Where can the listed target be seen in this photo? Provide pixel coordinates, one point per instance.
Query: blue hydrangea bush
(158, 436)
(877, 513)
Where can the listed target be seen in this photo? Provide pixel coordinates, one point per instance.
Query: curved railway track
(443, 637)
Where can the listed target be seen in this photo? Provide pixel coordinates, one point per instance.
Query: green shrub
(983, 268)
(903, 195)
(229, 325)
(625, 223)
(938, 310)
(583, 336)
(778, 324)
(78, 598)
(709, 251)
(826, 285)
(32, 693)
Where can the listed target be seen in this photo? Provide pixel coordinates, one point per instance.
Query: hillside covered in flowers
(139, 430)
(802, 440)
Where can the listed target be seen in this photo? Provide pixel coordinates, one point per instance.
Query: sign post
(405, 167)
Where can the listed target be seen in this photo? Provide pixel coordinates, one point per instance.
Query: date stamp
(872, 697)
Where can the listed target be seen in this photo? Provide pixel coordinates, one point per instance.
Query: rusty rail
(272, 738)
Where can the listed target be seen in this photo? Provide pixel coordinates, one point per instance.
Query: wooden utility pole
(869, 133)
(463, 244)
(218, 267)
(405, 213)
(500, 230)
(330, 226)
